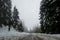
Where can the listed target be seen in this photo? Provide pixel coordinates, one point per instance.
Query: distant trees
(50, 14)
(17, 23)
(20, 26)
(37, 30)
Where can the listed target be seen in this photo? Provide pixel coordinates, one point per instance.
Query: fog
(28, 11)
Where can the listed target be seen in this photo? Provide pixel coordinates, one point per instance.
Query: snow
(4, 32)
(14, 35)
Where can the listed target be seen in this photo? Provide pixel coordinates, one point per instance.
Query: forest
(49, 17)
(8, 17)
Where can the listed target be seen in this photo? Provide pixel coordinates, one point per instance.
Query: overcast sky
(28, 11)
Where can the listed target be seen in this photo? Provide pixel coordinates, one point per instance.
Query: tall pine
(15, 17)
(17, 23)
(50, 14)
(5, 12)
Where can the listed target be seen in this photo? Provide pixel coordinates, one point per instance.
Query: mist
(28, 12)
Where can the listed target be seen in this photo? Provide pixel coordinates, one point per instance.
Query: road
(31, 36)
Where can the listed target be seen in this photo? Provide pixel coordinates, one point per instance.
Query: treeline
(9, 18)
(50, 16)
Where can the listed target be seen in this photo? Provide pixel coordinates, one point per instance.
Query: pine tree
(1, 4)
(5, 12)
(15, 17)
(20, 26)
(17, 23)
(50, 15)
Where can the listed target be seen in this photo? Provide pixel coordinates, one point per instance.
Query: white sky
(28, 11)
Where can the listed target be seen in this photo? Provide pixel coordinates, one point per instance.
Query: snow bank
(4, 32)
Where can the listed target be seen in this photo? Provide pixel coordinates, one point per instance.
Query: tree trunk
(9, 28)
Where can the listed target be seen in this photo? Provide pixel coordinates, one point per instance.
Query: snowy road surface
(14, 35)
(31, 36)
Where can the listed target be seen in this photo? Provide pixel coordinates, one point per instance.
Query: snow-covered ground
(4, 32)
(14, 35)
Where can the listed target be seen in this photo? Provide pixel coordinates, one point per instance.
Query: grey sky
(29, 11)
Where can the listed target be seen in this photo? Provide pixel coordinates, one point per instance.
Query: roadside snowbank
(4, 32)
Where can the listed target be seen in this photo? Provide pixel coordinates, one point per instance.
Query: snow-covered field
(14, 35)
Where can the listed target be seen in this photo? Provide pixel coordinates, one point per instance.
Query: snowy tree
(5, 12)
(15, 17)
(50, 15)
(20, 26)
(17, 23)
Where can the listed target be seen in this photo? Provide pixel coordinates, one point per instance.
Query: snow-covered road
(32, 36)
